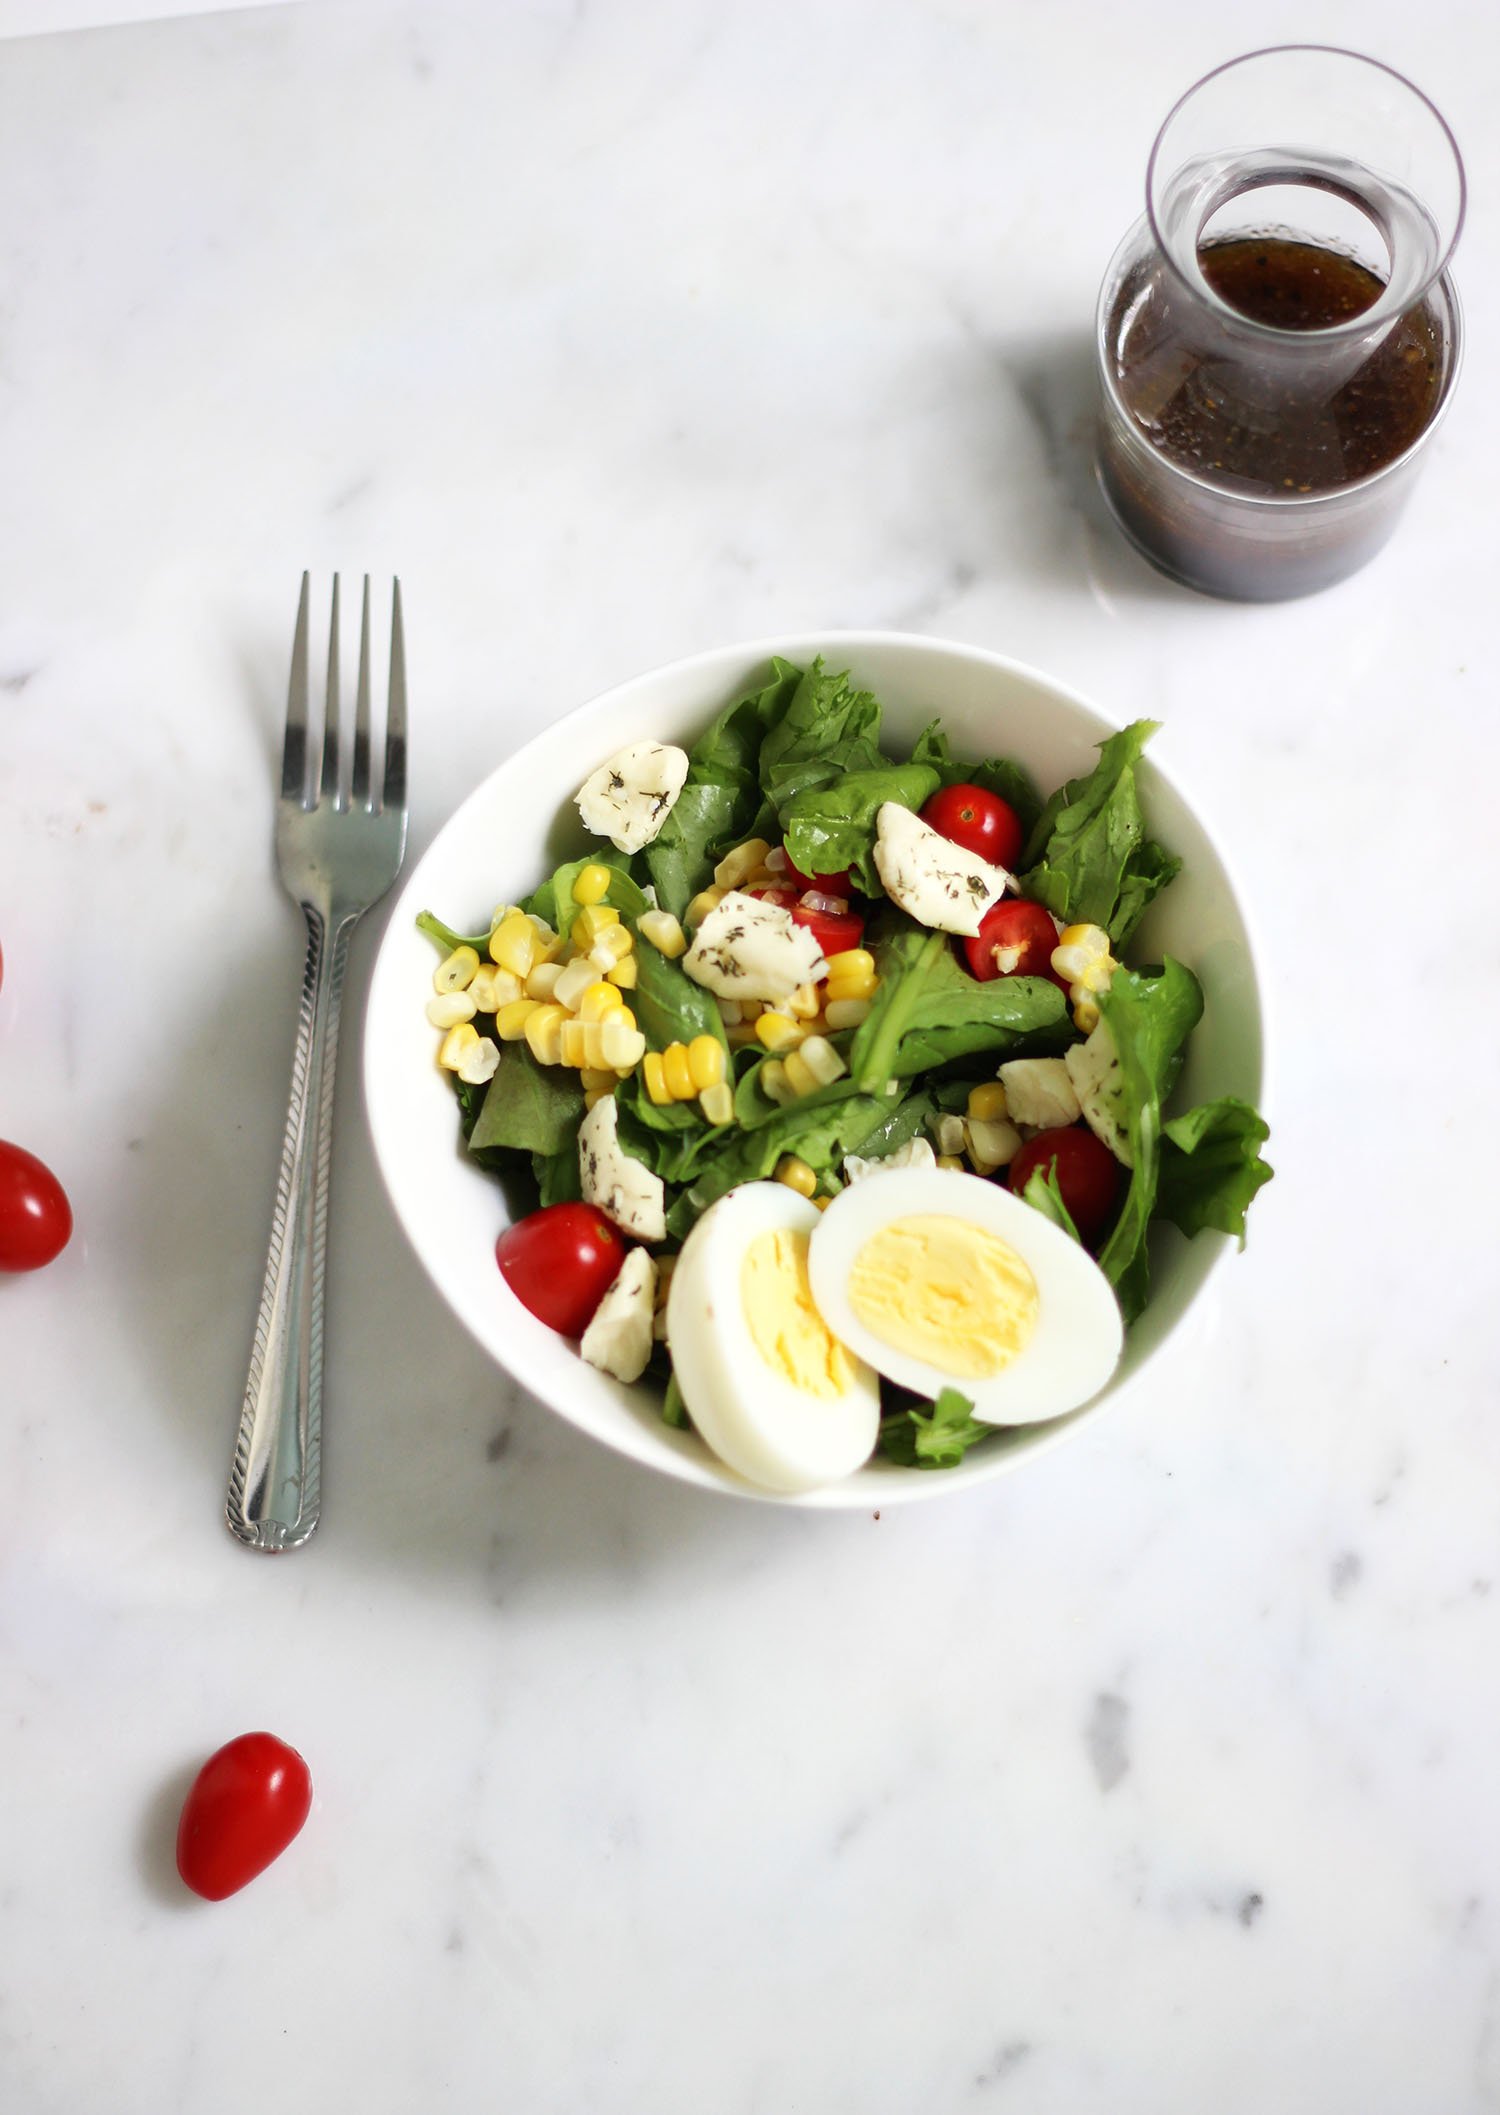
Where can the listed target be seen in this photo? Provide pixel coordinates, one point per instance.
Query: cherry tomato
(834, 931)
(247, 1803)
(35, 1218)
(1088, 1175)
(1018, 926)
(825, 884)
(978, 820)
(560, 1262)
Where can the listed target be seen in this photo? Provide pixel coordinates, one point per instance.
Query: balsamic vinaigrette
(1234, 421)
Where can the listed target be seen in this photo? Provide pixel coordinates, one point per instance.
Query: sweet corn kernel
(549, 945)
(612, 946)
(951, 1134)
(798, 1076)
(731, 1012)
(455, 972)
(705, 901)
(741, 1035)
(1086, 1015)
(845, 1013)
(592, 885)
(499, 914)
(717, 1103)
(852, 962)
(543, 1034)
(592, 920)
(596, 1094)
(677, 1072)
(705, 1056)
(625, 975)
(513, 944)
(598, 1000)
(821, 1204)
(455, 1043)
(597, 1076)
(737, 866)
(796, 1174)
(987, 1102)
(663, 932)
(510, 1021)
(851, 987)
(656, 1078)
(950, 1160)
(774, 1084)
(542, 983)
(577, 977)
(776, 1032)
(493, 988)
(573, 1043)
(992, 1144)
(450, 1008)
(479, 1062)
(804, 1003)
(621, 1044)
(822, 1060)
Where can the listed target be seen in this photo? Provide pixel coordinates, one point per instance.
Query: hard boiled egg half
(941, 1280)
(769, 1387)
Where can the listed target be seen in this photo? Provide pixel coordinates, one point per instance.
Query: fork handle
(275, 1479)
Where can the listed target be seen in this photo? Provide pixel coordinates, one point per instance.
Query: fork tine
(329, 786)
(394, 794)
(359, 784)
(294, 749)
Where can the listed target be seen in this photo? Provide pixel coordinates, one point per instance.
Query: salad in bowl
(834, 1079)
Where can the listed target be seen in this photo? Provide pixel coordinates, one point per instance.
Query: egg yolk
(785, 1327)
(948, 1292)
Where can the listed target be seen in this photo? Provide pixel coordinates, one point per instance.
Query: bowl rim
(892, 1485)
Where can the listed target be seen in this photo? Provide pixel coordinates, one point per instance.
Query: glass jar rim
(1382, 311)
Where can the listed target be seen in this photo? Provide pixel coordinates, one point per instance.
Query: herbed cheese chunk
(624, 1189)
(749, 949)
(1038, 1091)
(629, 798)
(618, 1340)
(933, 880)
(1094, 1069)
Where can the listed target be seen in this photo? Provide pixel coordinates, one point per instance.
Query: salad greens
(799, 759)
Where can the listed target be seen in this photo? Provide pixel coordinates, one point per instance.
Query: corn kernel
(798, 1077)
(577, 977)
(705, 1056)
(621, 1044)
(513, 944)
(992, 1144)
(656, 1078)
(596, 1094)
(804, 1003)
(705, 901)
(731, 1012)
(592, 885)
(987, 1102)
(612, 946)
(717, 1103)
(510, 1021)
(456, 971)
(544, 1034)
(499, 914)
(594, 919)
(796, 1174)
(841, 988)
(542, 983)
(663, 932)
(597, 1076)
(821, 1204)
(852, 962)
(741, 1035)
(822, 1060)
(845, 1013)
(455, 1043)
(549, 945)
(493, 988)
(951, 1160)
(677, 1072)
(625, 975)
(1086, 1015)
(573, 1043)
(951, 1134)
(773, 1083)
(598, 1000)
(479, 1062)
(450, 1008)
(737, 866)
(776, 1032)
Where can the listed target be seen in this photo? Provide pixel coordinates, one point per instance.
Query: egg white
(1078, 1337)
(773, 1433)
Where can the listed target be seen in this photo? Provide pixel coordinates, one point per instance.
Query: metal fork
(338, 855)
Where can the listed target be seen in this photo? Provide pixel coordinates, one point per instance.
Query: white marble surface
(1160, 1778)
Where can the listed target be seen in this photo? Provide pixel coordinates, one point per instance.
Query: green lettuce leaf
(721, 799)
(668, 1006)
(826, 731)
(528, 1107)
(1044, 1194)
(554, 899)
(1150, 1016)
(1088, 858)
(446, 940)
(831, 827)
(929, 1011)
(1211, 1167)
(818, 1131)
(938, 1439)
(558, 1179)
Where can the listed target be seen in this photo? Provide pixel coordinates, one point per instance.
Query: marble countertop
(1157, 1778)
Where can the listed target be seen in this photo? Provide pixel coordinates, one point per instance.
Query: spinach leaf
(1150, 1017)
(997, 774)
(1211, 1168)
(554, 899)
(668, 1006)
(817, 1131)
(1044, 1194)
(446, 940)
(832, 827)
(928, 1010)
(673, 1408)
(826, 732)
(938, 1440)
(1088, 858)
(722, 795)
(528, 1107)
(557, 1174)
(672, 1140)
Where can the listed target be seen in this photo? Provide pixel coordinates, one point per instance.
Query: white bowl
(520, 823)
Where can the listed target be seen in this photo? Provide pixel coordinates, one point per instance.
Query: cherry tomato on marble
(1088, 1175)
(834, 931)
(560, 1262)
(36, 1220)
(246, 1804)
(978, 820)
(1015, 939)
